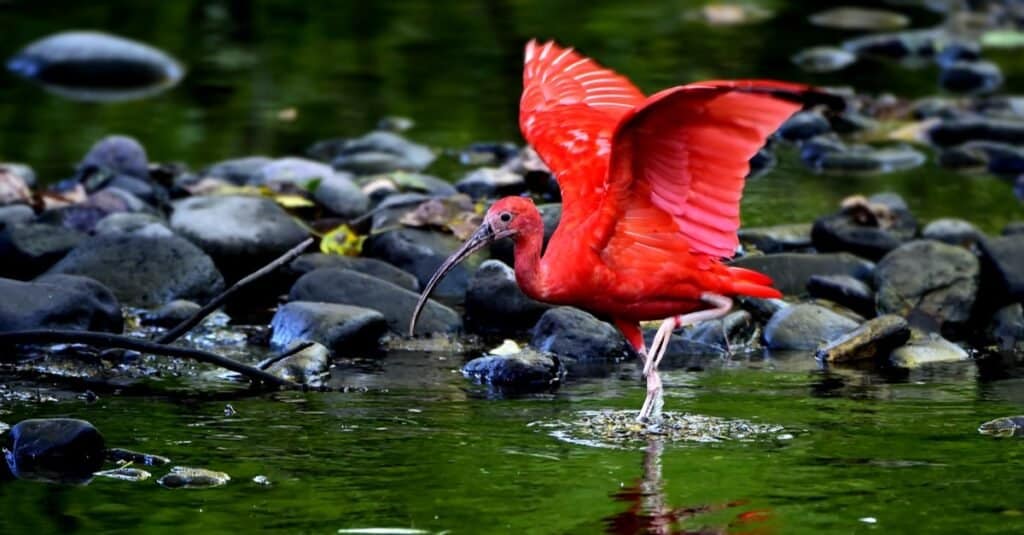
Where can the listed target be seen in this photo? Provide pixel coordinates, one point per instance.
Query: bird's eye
(505, 217)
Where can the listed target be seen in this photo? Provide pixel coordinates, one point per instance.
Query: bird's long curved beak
(483, 236)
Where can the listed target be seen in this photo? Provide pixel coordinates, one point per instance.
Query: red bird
(651, 188)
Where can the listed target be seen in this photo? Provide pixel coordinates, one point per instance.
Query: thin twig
(278, 358)
(180, 329)
(53, 336)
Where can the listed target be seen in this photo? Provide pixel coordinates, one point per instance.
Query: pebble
(932, 284)
(874, 339)
(805, 326)
(142, 224)
(247, 170)
(183, 477)
(375, 153)
(120, 155)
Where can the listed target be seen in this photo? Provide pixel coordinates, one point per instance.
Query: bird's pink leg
(651, 409)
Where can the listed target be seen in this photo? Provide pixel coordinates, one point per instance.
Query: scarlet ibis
(650, 188)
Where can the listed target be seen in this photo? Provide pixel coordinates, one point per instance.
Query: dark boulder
(1002, 261)
(421, 252)
(805, 326)
(332, 285)
(804, 125)
(972, 77)
(571, 332)
(778, 238)
(845, 290)
(872, 340)
(59, 302)
(523, 372)
(30, 249)
(145, 271)
(367, 266)
(239, 171)
(171, 314)
(15, 214)
(868, 230)
(496, 305)
(340, 328)
(491, 182)
(60, 450)
(790, 272)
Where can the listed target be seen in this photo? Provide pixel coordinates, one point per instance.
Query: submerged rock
(240, 233)
(845, 290)
(28, 250)
(929, 349)
(367, 266)
(805, 326)
(332, 285)
(790, 272)
(571, 332)
(145, 271)
(525, 371)
(59, 302)
(873, 339)
(342, 328)
(61, 450)
(932, 284)
(121, 455)
(96, 66)
(496, 304)
(305, 367)
(125, 474)
(1006, 427)
(183, 477)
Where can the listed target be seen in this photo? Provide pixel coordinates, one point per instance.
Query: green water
(412, 443)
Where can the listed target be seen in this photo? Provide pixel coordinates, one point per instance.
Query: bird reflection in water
(650, 512)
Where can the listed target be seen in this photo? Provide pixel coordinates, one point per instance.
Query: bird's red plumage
(650, 186)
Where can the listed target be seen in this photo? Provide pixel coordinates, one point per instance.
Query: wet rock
(762, 310)
(571, 332)
(121, 455)
(133, 223)
(125, 474)
(28, 250)
(15, 214)
(928, 350)
(61, 450)
(171, 314)
(868, 232)
(375, 153)
(791, 271)
(958, 131)
(909, 46)
(737, 331)
(550, 214)
(1002, 261)
(496, 305)
(804, 125)
(342, 328)
(96, 66)
(488, 153)
(1006, 427)
(525, 371)
(999, 158)
(367, 266)
(850, 121)
(341, 196)
(291, 173)
(491, 182)
(973, 77)
(421, 252)
(331, 285)
(778, 238)
(814, 149)
(121, 155)
(307, 367)
(183, 477)
(239, 171)
(145, 271)
(957, 51)
(859, 18)
(963, 158)
(953, 232)
(932, 284)
(1006, 329)
(805, 326)
(865, 159)
(59, 302)
(823, 59)
(418, 182)
(240, 233)
(873, 339)
(845, 290)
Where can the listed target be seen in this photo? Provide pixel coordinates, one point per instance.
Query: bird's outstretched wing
(679, 162)
(568, 113)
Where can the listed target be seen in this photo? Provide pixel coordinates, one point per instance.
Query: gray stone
(927, 350)
(306, 367)
(932, 284)
(297, 173)
(171, 314)
(1006, 329)
(952, 231)
(28, 250)
(332, 285)
(972, 77)
(59, 302)
(804, 125)
(496, 305)
(805, 326)
(791, 271)
(527, 371)
(238, 171)
(571, 332)
(240, 233)
(133, 223)
(778, 238)
(183, 477)
(491, 182)
(862, 233)
(1002, 260)
(874, 339)
(27, 174)
(823, 59)
(374, 153)
(15, 214)
(1013, 227)
(421, 252)
(118, 154)
(845, 290)
(867, 159)
(974, 128)
(341, 328)
(145, 271)
(341, 196)
(367, 266)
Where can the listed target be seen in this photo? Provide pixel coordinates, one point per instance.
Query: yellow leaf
(293, 201)
(342, 241)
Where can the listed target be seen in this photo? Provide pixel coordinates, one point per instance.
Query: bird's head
(507, 218)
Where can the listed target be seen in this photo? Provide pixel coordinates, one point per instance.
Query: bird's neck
(530, 272)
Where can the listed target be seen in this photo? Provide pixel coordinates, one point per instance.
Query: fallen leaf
(342, 241)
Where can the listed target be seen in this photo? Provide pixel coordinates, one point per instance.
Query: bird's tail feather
(751, 283)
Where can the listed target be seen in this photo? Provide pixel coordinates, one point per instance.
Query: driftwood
(162, 346)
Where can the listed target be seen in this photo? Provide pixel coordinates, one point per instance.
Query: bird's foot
(650, 412)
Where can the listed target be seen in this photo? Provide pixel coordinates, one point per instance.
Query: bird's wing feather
(679, 163)
(568, 113)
